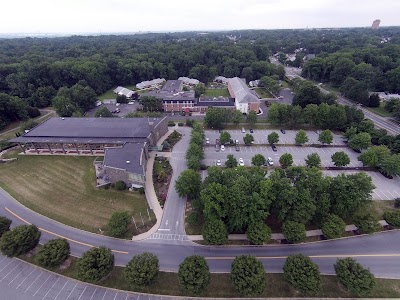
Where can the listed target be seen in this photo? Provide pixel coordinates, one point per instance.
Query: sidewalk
(150, 193)
(280, 236)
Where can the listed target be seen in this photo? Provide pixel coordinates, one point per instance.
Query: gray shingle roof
(127, 157)
(241, 91)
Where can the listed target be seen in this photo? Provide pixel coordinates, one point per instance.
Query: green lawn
(380, 111)
(216, 93)
(107, 95)
(63, 188)
(263, 93)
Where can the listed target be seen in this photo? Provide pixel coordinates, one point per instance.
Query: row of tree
(195, 151)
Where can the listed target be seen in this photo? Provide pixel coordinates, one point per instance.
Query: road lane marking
(311, 256)
(58, 235)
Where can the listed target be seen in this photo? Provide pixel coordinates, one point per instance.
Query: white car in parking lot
(241, 162)
(222, 148)
(270, 161)
(218, 162)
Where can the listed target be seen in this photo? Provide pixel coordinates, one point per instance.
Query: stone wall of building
(158, 131)
(113, 175)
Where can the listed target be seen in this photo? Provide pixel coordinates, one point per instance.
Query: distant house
(155, 83)
(245, 100)
(189, 81)
(254, 83)
(385, 96)
(309, 56)
(221, 79)
(129, 94)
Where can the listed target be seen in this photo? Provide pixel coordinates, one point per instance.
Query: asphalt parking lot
(23, 281)
(299, 154)
(260, 136)
(125, 109)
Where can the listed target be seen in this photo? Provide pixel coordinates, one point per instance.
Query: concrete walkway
(150, 193)
(280, 236)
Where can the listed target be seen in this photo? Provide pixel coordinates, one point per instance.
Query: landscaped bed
(63, 188)
(162, 174)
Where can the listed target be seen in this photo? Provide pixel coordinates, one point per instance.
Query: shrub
(28, 125)
(142, 270)
(215, 232)
(397, 203)
(141, 190)
(367, 223)
(193, 218)
(333, 227)
(120, 185)
(33, 112)
(392, 217)
(53, 253)
(354, 276)
(4, 225)
(171, 123)
(118, 224)
(302, 274)
(19, 240)
(258, 233)
(180, 124)
(194, 274)
(189, 122)
(248, 275)
(294, 232)
(95, 264)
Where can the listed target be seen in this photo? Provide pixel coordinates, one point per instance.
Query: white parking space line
(61, 290)
(41, 285)
(34, 281)
(104, 295)
(18, 274)
(72, 290)
(82, 292)
(10, 272)
(6, 265)
(50, 288)
(34, 269)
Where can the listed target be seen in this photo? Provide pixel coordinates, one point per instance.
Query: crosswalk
(168, 236)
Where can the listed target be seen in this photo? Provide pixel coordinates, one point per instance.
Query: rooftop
(127, 157)
(89, 130)
(149, 83)
(187, 80)
(172, 86)
(215, 101)
(241, 91)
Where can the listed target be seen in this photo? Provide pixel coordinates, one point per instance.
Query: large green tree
(53, 253)
(215, 232)
(273, 138)
(258, 233)
(248, 275)
(286, 160)
(188, 184)
(224, 137)
(391, 165)
(325, 137)
(258, 160)
(19, 240)
(301, 137)
(118, 223)
(360, 141)
(333, 227)
(313, 160)
(374, 156)
(194, 274)
(4, 225)
(95, 264)
(251, 118)
(216, 117)
(340, 159)
(231, 161)
(142, 269)
(150, 103)
(294, 232)
(302, 274)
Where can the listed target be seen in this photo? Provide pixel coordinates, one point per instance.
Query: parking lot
(386, 189)
(20, 280)
(260, 136)
(299, 154)
(124, 109)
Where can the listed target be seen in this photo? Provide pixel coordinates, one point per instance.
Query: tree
(251, 118)
(95, 264)
(258, 233)
(294, 232)
(392, 217)
(248, 138)
(188, 184)
(367, 223)
(215, 117)
(142, 269)
(325, 137)
(215, 232)
(333, 227)
(224, 137)
(301, 137)
(391, 165)
(199, 90)
(231, 161)
(28, 125)
(237, 117)
(248, 276)
(374, 100)
(360, 141)
(308, 94)
(4, 225)
(122, 98)
(340, 159)
(64, 106)
(19, 240)
(258, 160)
(313, 160)
(150, 103)
(53, 253)
(120, 185)
(286, 160)
(354, 276)
(118, 224)
(350, 132)
(103, 112)
(273, 138)
(374, 156)
(302, 274)
(194, 274)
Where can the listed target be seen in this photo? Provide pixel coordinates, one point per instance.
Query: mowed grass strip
(63, 188)
(217, 92)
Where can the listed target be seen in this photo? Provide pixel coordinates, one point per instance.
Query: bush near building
(53, 253)
(333, 227)
(118, 224)
(194, 274)
(294, 232)
(142, 269)
(120, 185)
(95, 264)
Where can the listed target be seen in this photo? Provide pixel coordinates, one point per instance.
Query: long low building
(123, 142)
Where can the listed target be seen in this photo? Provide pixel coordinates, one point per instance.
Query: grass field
(380, 111)
(263, 93)
(107, 95)
(216, 93)
(63, 188)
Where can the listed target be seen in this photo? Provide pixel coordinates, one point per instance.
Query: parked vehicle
(207, 141)
(237, 148)
(222, 148)
(270, 161)
(283, 131)
(216, 147)
(251, 131)
(243, 130)
(218, 162)
(241, 162)
(274, 148)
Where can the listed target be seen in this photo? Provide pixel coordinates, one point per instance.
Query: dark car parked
(274, 148)
(251, 131)
(283, 131)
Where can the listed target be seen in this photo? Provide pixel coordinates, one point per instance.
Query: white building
(189, 81)
(155, 83)
(126, 92)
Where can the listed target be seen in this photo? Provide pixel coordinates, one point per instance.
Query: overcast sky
(80, 16)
